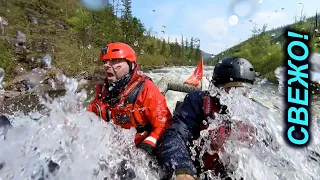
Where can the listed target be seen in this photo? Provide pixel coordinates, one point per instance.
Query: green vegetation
(73, 36)
(265, 49)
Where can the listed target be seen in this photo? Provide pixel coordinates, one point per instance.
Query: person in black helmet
(174, 155)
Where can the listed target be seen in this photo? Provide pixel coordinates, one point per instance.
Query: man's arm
(156, 111)
(173, 153)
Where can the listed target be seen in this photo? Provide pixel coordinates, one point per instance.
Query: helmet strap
(130, 64)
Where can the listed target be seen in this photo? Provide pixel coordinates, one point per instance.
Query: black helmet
(233, 69)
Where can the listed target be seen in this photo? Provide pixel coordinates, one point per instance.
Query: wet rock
(11, 94)
(53, 167)
(124, 172)
(2, 165)
(4, 121)
(5, 125)
(21, 38)
(19, 70)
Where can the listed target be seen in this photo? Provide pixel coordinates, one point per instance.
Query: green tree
(182, 48)
(81, 26)
(177, 49)
(186, 54)
(191, 51)
(126, 22)
(165, 49)
(197, 54)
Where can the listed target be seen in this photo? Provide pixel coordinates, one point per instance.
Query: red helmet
(118, 50)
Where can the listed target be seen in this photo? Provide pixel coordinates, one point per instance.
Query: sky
(215, 22)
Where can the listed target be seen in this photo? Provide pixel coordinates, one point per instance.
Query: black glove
(147, 147)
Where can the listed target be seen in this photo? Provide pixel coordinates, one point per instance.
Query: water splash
(36, 77)
(1, 77)
(279, 72)
(68, 141)
(47, 60)
(266, 151)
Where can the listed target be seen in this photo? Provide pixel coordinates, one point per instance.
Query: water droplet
(242, 8)
(94, 5)
(36, 77)
(233, 20)
(35, 115)
(47, 60)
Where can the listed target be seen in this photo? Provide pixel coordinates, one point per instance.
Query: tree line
(116, 23)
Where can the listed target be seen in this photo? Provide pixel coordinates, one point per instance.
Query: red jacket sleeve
(156, 111)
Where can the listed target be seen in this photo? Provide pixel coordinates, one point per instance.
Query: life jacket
(123, 112)
(210, 160)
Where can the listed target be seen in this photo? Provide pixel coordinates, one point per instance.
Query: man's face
(115, 69)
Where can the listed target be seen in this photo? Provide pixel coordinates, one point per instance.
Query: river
(86, 148)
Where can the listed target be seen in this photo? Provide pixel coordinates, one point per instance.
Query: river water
(64, 141)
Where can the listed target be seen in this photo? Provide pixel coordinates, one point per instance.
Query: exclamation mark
(293, 34)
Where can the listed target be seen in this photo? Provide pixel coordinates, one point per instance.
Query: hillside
(206, 56)
(73, 36)
(266, 50)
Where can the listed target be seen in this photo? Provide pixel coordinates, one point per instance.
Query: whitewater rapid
(64, 141)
